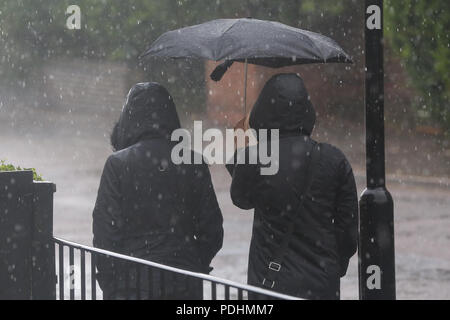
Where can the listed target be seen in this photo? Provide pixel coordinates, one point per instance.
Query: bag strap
(276, 262)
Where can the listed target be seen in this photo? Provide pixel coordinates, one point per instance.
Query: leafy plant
(9, 167)
(419, 32)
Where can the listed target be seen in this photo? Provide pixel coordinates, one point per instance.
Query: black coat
(325, 233)
(146, 206)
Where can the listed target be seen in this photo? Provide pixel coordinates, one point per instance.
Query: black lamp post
(376, 218)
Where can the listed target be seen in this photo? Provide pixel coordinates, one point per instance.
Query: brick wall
(328, 86)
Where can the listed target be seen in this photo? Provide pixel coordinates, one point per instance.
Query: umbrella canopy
(260, 42)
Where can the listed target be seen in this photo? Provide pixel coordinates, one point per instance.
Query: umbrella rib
(327, 42)
(219, 40)
(307, 34)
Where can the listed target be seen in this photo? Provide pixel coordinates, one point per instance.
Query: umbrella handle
(220, 70)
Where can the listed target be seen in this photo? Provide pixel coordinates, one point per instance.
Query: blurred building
(84, 85)
(225, 99)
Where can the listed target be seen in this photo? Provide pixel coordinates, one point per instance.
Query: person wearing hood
(150, 208)
(305, 218)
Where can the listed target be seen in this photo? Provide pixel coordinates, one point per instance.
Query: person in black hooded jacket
(324, 235)
(150, 208)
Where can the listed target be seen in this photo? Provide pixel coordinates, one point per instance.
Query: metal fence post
(16, 196)
(43, 248)
(376, 220)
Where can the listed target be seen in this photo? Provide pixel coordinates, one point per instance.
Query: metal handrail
(177, 270)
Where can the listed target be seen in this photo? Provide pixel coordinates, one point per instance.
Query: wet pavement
(74, 160)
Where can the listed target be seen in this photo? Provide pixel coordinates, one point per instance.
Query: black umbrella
(265, 43)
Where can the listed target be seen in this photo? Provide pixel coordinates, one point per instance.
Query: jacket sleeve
(244, 179)
(208, 220)
(346, 218)
(108, 220)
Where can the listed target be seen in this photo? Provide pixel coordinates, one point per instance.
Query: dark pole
(376, 219)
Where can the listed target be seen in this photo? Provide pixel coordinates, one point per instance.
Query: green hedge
(418, 30)
(9, 167)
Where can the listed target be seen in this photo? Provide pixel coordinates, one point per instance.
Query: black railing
(30, 257)
(140, 279)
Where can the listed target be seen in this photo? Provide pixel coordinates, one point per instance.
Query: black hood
(149, 111)
(284, 104)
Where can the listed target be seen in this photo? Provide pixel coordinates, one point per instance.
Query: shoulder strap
(276, 262)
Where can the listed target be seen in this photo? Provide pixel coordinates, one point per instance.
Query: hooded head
(149, 111)
(284, 104)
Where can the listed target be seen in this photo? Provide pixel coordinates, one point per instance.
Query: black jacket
(325, 233)
(148, 207)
